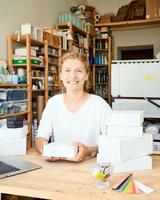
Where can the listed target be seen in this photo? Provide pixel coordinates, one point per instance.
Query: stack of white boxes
(125, 145)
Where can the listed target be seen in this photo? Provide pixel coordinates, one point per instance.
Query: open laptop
(10, 165)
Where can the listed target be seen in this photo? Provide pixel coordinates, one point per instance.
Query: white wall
(127, 37)
(148, 36)
(40, 13)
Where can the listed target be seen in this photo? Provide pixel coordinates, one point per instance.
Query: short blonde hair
(72, 55)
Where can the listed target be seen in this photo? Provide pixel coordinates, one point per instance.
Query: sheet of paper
(143, 188)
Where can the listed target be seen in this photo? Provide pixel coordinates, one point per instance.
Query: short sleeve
(45, 128)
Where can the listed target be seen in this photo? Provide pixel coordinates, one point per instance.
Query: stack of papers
(64, 150)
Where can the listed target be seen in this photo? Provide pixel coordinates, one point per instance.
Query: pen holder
(101, 173)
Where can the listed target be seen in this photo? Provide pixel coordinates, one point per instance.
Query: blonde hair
(72, 55)
(79, 56)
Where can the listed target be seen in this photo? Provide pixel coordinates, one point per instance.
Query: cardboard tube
(40, 106)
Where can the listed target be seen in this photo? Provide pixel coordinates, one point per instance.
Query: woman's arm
(40, 142)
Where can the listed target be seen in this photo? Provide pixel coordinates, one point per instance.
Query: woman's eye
(67, 70)
(79, 70)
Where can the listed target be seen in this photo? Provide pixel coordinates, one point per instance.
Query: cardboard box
(13, 141)
(105, 19)
(65, 150)
(125, 131)
(128, 118)
(116, 149)
(152, 9)
(141, 163)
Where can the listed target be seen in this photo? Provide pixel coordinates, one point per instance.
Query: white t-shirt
(82, 126)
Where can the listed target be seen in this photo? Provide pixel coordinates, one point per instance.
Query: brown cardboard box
(105, 19)
(152, 9)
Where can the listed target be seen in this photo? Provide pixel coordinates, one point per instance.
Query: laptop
(10, 165)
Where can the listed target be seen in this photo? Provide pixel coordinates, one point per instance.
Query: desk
(72, 181)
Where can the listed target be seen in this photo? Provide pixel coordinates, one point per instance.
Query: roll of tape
(97, 17)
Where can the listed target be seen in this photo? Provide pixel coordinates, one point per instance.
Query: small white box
(115, 149)
(23, 52)
(125, 131)
(65, 150)
(125, 118)
(26, 29)
(38, 34)
(13, 141)
(141, 163)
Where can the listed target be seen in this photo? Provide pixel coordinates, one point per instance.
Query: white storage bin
(13, 141)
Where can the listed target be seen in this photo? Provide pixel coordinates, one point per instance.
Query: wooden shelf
(37, 66)
(53, 55)
(132, 24)
(13, 114)
(101, 65)
(52, 64)
(22, 39)
(75, 28)
(101, 50)
(38, 90)
(12, 86)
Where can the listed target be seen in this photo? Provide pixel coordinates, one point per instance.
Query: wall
(40, 13)
(128, 37)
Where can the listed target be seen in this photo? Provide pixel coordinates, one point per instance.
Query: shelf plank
(13, 114)
(132, 24)
(22, 39)
(13, 85)
(37, 66)
(75, 28)
(38, 90)
(101, 50)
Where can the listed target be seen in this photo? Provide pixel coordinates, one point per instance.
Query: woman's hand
(82, 152)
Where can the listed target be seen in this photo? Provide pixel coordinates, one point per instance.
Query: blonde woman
(75, 116)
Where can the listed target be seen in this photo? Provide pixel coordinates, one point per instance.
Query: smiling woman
(71, 117)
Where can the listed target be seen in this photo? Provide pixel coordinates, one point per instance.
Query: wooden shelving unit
(50, 53)
(101, 69)
(25, 41)
(76, 39)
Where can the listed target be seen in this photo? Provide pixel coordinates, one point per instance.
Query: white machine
(134, 80)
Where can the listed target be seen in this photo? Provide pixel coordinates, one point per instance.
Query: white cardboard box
(125, 118)
(23, 52)
(13, 141)
(125, 131)
(59, 150)
(140, 163)
(116, 149)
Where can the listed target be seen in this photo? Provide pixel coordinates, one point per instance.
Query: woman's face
(73, 74)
